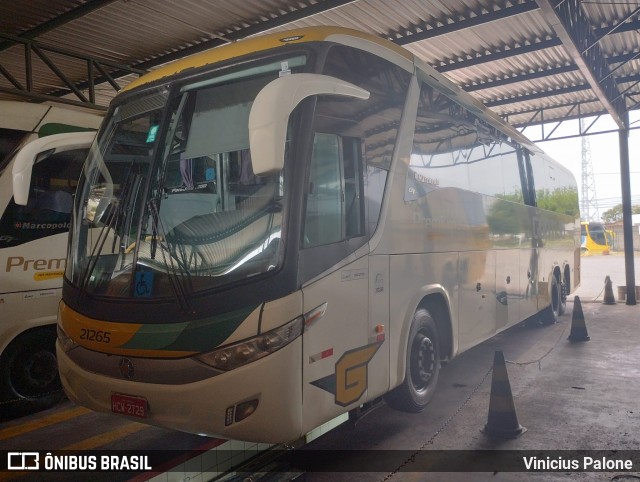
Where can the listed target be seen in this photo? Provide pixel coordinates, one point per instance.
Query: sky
(605, 158)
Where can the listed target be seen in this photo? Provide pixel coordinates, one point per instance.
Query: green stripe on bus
(55, 128)
(198, 335)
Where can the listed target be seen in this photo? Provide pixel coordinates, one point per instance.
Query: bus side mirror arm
(32, 152)
(270, 112)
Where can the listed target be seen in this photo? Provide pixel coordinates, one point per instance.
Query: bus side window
(353, 198)
(48, 210)
(334, 194)
(323, 223)
(367, 129)
(350, 157)
(513, 178)
(53, 183)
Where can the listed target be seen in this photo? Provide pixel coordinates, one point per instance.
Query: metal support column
(625, 180)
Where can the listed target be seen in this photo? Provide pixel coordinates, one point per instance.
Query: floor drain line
(539, 360)
(412, 457)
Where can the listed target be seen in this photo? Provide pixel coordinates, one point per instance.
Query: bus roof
(260, 43)
(29, 117)
(380, 46)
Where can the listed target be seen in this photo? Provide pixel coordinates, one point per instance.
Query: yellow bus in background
(595, 239)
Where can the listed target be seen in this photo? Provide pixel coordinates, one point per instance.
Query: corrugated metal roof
(146, 32)
(17, 17)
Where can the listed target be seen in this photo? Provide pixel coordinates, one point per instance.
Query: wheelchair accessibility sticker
(144, 284)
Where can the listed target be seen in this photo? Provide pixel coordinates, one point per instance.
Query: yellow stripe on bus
(108, 336)
(257, 44)
(79, 327)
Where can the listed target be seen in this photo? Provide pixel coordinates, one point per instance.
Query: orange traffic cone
(609, 299)
(578, 327)
(502, 421)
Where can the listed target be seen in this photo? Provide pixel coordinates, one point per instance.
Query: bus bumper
(206, 406)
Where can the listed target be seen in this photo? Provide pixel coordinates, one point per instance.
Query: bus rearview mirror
(41, 149)
(270, 112)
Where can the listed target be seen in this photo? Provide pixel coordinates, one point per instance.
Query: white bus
(273, 233)
(34, 222)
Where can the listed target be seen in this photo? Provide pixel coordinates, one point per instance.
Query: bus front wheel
(422, 366)
(29, 378)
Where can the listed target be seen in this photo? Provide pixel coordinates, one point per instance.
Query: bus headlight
(238, 354)
(65, 340)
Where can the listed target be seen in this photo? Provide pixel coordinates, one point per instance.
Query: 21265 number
(95, 335)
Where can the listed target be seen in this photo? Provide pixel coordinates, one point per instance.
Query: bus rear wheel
(553, 312)
(422, 366)
(29, 378)
(564, 291)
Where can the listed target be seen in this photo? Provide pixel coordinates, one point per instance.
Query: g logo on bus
(349, 382)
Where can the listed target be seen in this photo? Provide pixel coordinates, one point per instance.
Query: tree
(563, 200)
(615, 213)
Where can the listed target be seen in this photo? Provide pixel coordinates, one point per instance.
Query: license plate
(128, 405)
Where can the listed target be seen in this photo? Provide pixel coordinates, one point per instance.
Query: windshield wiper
(115, 209)
(125, 214)
(157, 228)
(97, 248)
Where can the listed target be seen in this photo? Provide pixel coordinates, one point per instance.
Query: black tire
(29, 379)
(552, 313)
(564, 291)
(422, 366)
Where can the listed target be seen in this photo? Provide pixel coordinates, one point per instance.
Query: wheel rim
(36, 374)
(555, 298)
(423, 361)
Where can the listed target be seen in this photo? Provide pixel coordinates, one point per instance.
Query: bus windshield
(168, 202)
(596, 231)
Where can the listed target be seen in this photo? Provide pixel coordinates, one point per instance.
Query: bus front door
(336, 352)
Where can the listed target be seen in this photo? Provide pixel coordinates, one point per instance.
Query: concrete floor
(569, 396)
(594, 271)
